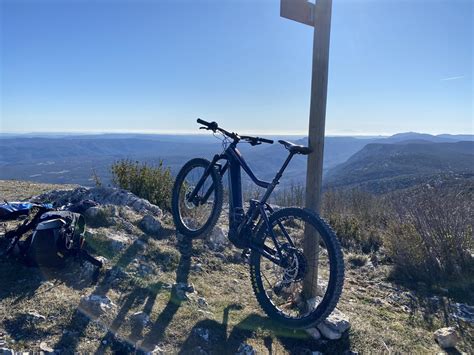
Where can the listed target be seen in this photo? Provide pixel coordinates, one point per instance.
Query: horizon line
(169, 132)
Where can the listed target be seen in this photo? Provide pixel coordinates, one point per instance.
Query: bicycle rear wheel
(199, 216)
(279, 289)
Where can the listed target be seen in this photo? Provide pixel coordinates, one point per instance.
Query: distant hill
(384, 167)
(62, 158)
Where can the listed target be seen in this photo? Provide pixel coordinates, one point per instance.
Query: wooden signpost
(317, 15)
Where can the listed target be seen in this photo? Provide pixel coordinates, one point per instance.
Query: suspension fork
(203, 178)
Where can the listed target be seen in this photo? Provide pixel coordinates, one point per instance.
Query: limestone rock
(102, 195)
(202, 333)
(217, 238)
(337, 321)
(45, 347)
(150, 224)
(140, 318)
(328, 332)
(313, 333)
(245, 349)
(96, 304)
(181, 290)
(446, 337)
(202, 303)
(35, 316)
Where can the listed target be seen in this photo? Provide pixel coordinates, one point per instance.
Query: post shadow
(157, 331)
(80, 318)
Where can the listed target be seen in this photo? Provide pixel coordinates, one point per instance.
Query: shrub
(294, 195)
(430, 237)
(153, 183)
(357, 217)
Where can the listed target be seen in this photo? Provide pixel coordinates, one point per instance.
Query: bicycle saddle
(295, 148)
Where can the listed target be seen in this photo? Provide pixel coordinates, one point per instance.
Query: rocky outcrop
(446, 337)
(101, 195)
(336, 324)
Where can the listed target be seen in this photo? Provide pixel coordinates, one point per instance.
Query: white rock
(140, 317)
(245, 349)
(150, 224)
(313, 333)
(96, 303)
(202, 303)
(92, 212)
(203, 333)
(45, 347)
(36, 316)
(337, 321)
(328, 332)
(218, 238)
(446, 337)
(118, 241)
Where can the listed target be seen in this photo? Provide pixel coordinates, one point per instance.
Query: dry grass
(385, 318)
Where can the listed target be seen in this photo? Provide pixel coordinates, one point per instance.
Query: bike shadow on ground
(157, 331)
(81, 318)
(211, 337)
(146, 296)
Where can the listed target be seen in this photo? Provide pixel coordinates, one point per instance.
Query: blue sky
(154, 66)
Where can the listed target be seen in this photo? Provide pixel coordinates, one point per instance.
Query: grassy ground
(385, 317)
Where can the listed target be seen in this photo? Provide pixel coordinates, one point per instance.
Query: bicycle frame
(234, 163)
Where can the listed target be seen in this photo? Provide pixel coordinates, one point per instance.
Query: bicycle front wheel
(278, 283)
(198, 215)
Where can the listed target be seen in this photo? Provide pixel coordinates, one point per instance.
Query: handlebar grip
(203, 122)
(269, 141)
(213, 126)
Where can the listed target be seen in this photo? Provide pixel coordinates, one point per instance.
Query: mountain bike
(271, 238)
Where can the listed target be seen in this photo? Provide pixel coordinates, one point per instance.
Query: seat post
(277, 178)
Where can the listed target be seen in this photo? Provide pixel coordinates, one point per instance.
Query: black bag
(58, 235)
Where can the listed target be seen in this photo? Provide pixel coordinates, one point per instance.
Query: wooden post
(317, 15)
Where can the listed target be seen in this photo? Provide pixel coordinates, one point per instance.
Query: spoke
(269, 284)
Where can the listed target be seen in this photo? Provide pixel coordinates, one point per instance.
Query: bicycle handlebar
(213, 126)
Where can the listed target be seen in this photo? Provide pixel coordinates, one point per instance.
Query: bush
(430, 237)
(153, 183)
(357, 217)
(294, 195)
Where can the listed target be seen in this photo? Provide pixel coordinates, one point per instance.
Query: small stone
(245, 349)
(36, 316)
(203, 333)
(140, 317)
(44, 346)
(217, 238)
(97, 304)
(328, 332)
(181, 290)
(337, 321)
(313, 333)
(93, 212)
(150, 224)
(156, 350)
(202, 303)
(446, 337)
(118, 241)
(197, 267)
(104, 342)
